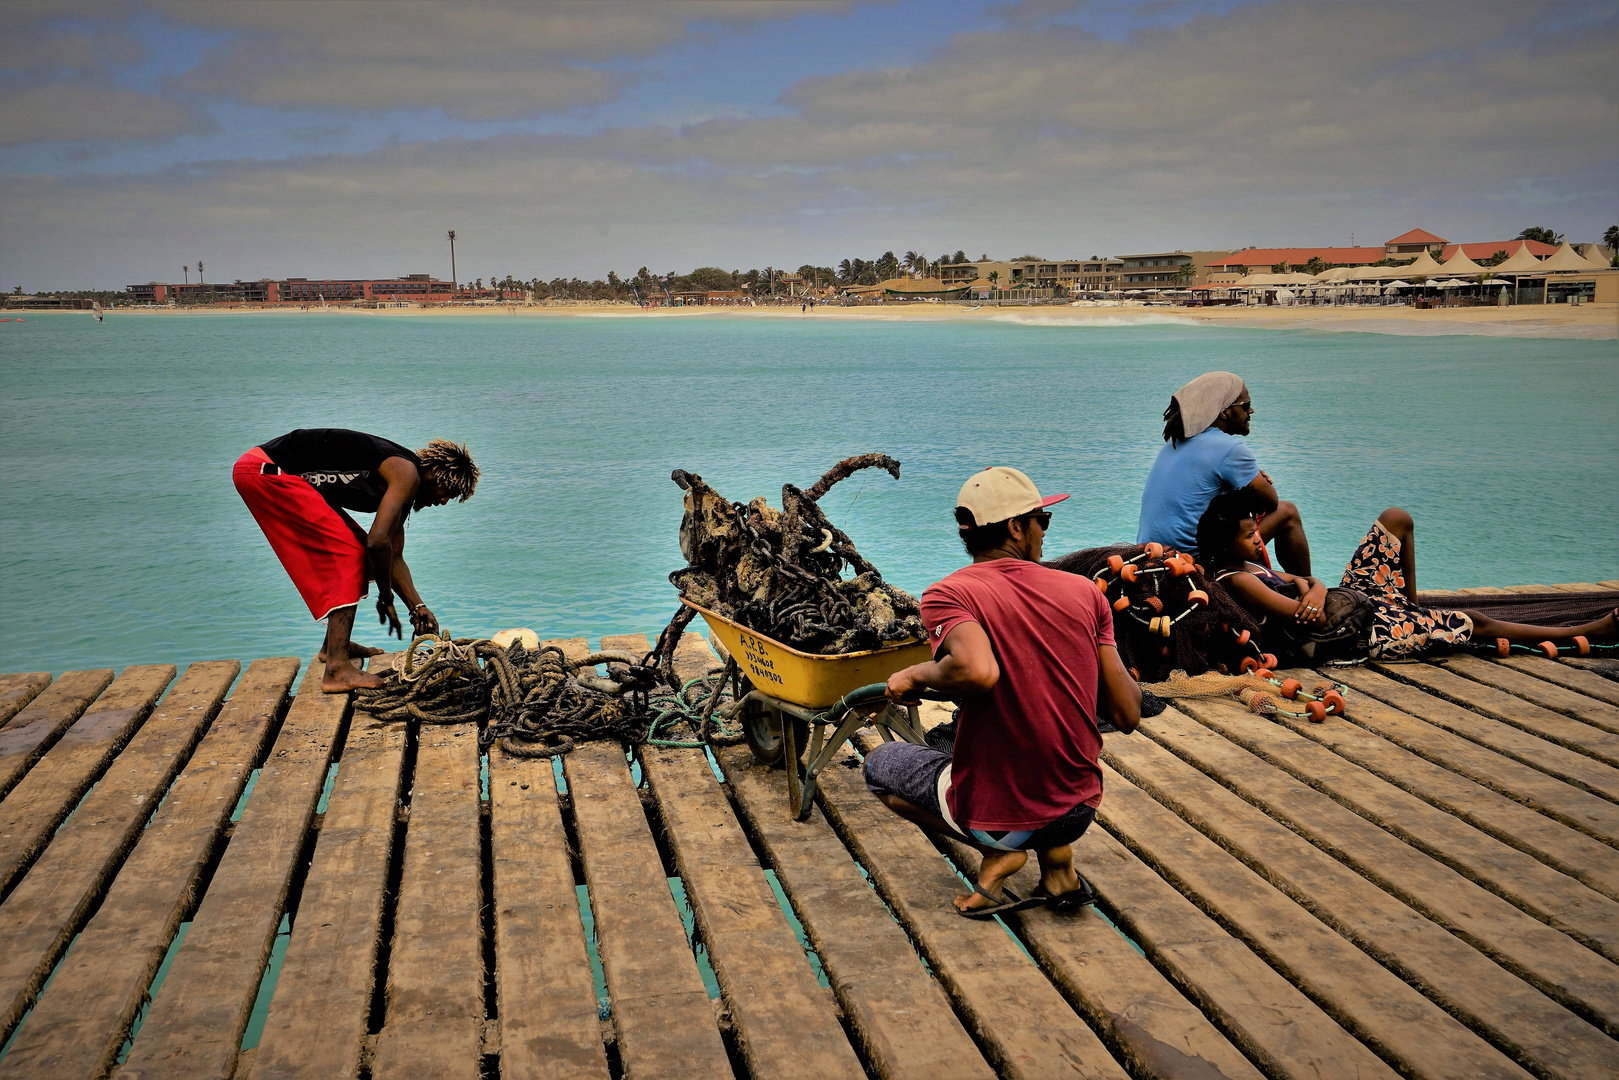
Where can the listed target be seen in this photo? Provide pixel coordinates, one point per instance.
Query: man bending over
(300, 488)
(1028, 652)
(1204, 456)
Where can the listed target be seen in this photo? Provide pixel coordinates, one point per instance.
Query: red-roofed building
(1414, 242)
(1260, 260)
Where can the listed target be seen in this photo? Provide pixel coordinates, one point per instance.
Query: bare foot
(992, 874)
(357, 652)
(342, 680)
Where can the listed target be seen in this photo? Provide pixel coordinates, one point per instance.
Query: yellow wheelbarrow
(795, 697)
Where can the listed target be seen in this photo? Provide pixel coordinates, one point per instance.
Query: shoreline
(1590, 322)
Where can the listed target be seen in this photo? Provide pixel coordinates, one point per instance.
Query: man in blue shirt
(1204, 456)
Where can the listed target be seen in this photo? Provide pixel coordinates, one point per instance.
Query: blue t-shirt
(1185, 479)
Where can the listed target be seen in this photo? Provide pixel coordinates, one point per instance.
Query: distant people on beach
(1374, 611)
(300, 487)
(1029, 653)
(1204, 456)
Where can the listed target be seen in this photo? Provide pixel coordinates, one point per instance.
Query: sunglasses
(1043, 517)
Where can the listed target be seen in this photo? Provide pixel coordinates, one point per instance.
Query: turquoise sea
(123, 541)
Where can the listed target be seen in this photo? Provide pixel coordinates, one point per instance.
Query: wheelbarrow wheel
(761, 728)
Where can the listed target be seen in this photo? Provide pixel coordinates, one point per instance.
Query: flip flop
(1005, 906)
(1069, 902)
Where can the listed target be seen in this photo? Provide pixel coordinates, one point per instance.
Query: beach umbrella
(1497, 281)
(1452, 284)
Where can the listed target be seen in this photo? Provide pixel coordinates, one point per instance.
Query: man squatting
(1029, 653)
(300, 487)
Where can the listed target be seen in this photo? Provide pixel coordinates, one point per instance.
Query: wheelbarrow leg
(818, 761)
(789, 760)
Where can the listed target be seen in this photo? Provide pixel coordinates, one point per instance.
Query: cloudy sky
(344, 138)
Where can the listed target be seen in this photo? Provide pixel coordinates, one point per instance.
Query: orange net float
(1242, 638)
(1121, 604)
(1334, 702)
(1155, 551)
(1316, 711)
(1503, 647)
(1266, 673)
(1200, 598)
(1268, 660)
(1290, 688)
(1249, 663)
(1127, 572)
(1115, 563)
(1548, 649)
(1582, 645)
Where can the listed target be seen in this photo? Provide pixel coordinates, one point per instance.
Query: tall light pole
(454, 281)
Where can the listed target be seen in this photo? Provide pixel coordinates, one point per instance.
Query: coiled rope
(541, 703)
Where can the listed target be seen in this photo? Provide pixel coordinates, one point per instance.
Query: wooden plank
(1567, 765)
(1494, 806)
(1396, 841)
(17, 690)
(435, 1011)
(48, 793)
(37, 726)
(320, 1014)
(1589, 739)
(546, 994)
(1548, 695)
(1528, 588)
(1579, 680)
(76, 1030)
(1520, 1021)
(1609, 584)
(1017, 1016)
(1285, 1033)
(900, 1016)
(661, 1014)
(1576, 586)
(48, 907)
(784, 1021)
(1571, 805)
(1481, 590)
(1408, 1031)
(195, 1024)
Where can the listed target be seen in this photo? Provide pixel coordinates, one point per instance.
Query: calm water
(123, 541)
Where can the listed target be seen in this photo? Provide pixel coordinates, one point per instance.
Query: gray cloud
(476, 61)
(68, 111)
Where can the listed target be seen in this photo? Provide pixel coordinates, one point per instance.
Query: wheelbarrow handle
(865, 695)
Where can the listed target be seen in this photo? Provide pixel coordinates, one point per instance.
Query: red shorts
(320, 547)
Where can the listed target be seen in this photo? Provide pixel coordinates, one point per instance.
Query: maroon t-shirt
(1026, 751)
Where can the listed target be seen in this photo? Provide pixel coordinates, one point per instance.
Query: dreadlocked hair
(1174, 430)
(451, 466)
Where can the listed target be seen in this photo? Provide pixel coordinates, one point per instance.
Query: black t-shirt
(341, 464)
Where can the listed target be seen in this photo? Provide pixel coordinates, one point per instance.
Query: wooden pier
(1427, 889)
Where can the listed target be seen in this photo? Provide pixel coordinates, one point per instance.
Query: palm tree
(845, 271)
(912, 260)
(199, 271)
(453, 279)
(186, 270)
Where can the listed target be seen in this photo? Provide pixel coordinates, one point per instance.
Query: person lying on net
(1204, 455)
(1028, 652)
(300, 487)
(1294, 608)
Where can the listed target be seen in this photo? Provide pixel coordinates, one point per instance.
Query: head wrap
(1203, 399)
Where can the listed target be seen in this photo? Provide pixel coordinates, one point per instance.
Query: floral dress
(1399, 628)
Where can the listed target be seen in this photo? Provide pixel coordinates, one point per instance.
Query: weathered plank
(1586, 738)
(76, 1030)
(546, 995)
(1535, 1031)
(1554, 760)
(1574, 806)
(1397, 840)
(900, 1016)
(195, 1025)
(1283, 1031)
(1515, 817)
(661, 1014)
(48, 907)
(1020, 1019)
(37, 726)
(1481, 590)
(1573, 678)
(1538, 691)
(319, 1015)
(435, 1006)
(17, 690)
(784, 1021)
(53, 787)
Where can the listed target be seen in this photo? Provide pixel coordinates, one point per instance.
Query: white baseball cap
(1000, 494)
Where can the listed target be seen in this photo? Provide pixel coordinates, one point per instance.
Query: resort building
(1402, 248)
(1261, 260)
(1092, 275)
(1167, 269)
(415, 288)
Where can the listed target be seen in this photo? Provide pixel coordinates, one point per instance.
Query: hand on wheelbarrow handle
(873, 692)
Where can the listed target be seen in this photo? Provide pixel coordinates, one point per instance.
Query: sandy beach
(1584, 321)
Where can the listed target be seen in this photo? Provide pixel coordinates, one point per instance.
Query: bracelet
(418, 607)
